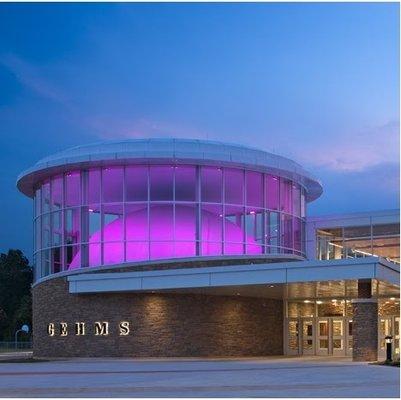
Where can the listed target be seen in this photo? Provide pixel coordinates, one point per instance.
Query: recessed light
(319, 302)
(307, 301)
(392, 298)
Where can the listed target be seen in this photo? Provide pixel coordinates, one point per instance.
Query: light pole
(24, 328)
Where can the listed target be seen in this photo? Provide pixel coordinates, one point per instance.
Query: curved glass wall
(112, 215)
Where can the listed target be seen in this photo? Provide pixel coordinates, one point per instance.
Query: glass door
(385, 329)
(322, 341)
(307, 341)
(396, 341)
(337, 342)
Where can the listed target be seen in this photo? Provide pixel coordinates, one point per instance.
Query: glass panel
(211, 229)
(323, 328)
(285, 196)
(296, 309)
(94, 222)
(46, 197)
(72, 189)
(329, 244)
(57, 260)
(185, 183)
(286, 231)
(211, 184)
(136, 223)
(330, 308)
(296, 199)
(136, 187)
(337, 344)
(161, 222)
(72, 226)
(113, 253)
(297, 235)
(137, 251)
(46, 262)
(185, 230)
(323, 344)
(46, 230)
(112, 185)
(254, 189)
(303, 203)
(357, 242)
(386, 241)
(233, 230)
(57, 192)
(37, 202)
(272, 231)
(161, 250)
(337, 328)
(94, 254)
(254, 231)
(72, 256)
(113, 226)
(272, 192)
(57, 228)
(307, 328)
(161, 182)
(234, 186)
(93, 195)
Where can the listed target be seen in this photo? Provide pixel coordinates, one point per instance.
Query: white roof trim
(235, 275)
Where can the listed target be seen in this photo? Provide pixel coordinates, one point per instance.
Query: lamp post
(389, 352)
(24, 328)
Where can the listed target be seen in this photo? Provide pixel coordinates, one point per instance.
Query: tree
(16, 278)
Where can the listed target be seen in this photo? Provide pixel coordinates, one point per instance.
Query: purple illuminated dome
(119, 203)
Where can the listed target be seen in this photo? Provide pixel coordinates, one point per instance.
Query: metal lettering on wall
(100, 328)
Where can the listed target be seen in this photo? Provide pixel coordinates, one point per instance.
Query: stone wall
(365, 330)
(161, 325)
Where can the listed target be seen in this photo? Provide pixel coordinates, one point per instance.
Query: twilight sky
(318, 83)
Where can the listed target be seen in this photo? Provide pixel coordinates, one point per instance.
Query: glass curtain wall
(117, 214)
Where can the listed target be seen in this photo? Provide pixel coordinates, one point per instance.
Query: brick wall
(162, 325)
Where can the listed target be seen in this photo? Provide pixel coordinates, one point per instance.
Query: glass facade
(132, 213)
(378, 236)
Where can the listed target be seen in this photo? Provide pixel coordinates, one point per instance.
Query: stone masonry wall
(365, 334)
(162, 325)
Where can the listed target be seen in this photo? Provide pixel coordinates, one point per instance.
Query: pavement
(253, 377)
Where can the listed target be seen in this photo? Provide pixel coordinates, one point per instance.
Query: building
(172, 247)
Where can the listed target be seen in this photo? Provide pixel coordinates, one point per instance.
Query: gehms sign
(80, 328)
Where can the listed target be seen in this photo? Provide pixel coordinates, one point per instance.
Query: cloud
(32, 77)
(354, 151)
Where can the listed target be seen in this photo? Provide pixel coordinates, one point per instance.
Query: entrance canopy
(303, 279)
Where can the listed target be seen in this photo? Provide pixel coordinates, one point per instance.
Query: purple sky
(318, 83)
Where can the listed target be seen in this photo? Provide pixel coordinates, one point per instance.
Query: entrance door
(307, 341)
(322, 341)
(385, 329)
(338, 337)
(389, 326)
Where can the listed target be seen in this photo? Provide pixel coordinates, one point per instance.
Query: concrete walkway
(256, 377)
